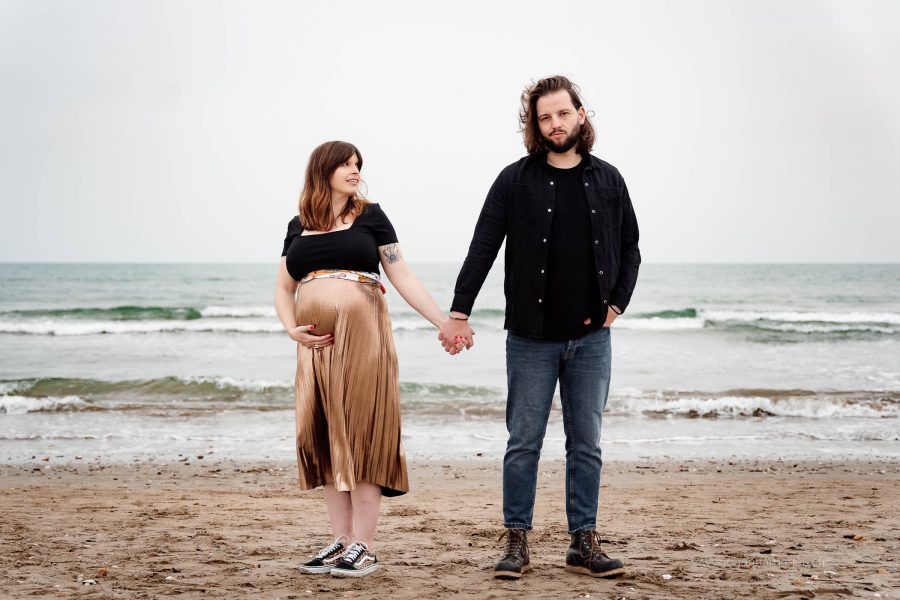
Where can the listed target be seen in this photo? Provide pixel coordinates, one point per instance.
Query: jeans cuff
(524, 526)
(587, 527)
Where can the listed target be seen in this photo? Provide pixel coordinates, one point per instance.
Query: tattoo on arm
(391, 253)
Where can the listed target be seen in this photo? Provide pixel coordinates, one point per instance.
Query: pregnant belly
(322, 302)
(316, 312)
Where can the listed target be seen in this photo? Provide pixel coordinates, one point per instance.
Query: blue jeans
(582, 367)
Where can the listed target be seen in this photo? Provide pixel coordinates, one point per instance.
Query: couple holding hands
(571, 265)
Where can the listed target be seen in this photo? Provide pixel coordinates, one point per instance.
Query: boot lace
(515, 540)
(593, 545)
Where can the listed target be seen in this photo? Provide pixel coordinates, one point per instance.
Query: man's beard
(567, 144)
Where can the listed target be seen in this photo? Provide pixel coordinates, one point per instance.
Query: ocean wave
(799, 404)
(685, 438)
(824, 328)
(245, 385)
(679, 313)
(143, 313)
(262, 319)
(802, 317)
(411, 324)
(205, 325)
(483, 314)
(74, 327)
(444, 391)
(212, 393)
(17, 405)
(34, 436)
(115, 313)
(223, 388)
(660, 323)
(785, 322)
(854, 436)
(241, 312)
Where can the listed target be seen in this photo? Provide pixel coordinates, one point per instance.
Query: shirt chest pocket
(610, 202)
(523, 204)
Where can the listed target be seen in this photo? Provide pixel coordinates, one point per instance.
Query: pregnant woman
(330, 300)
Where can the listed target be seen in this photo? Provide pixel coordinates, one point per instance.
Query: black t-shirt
(572, 293)
(355, 248)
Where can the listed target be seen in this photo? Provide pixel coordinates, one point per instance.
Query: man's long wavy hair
(528, 118)
(316, 213)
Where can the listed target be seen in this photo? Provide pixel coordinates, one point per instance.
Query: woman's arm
(409, 286)
(285, 289)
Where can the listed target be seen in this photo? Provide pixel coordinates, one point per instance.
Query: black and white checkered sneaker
(357, 562)
(329, 556)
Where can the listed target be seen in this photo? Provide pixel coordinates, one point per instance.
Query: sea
(116, 363)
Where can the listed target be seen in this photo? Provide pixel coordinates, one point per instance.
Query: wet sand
(207, 528)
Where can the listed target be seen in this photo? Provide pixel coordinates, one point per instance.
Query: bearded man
(571, 266)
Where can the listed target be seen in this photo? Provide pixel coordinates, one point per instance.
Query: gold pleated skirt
(347, 395)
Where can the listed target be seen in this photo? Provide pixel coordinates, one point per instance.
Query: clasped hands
(456, 336)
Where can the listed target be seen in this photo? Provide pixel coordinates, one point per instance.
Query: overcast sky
(155, 131)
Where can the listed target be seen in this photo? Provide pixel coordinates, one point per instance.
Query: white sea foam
(786, 321)
(824, 328)
(238, 311)
(249, 385)
(213, 325)
(685, 438)
(10, 387)
(17, 405)
(261, 319)
(410, 324)
(660, 324)
(748, 406)
(860, 436)
(801, 317)
(72, 327)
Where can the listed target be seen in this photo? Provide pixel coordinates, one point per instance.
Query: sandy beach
(203, 527)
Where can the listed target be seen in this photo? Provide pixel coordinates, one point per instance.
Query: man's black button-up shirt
(519, 207)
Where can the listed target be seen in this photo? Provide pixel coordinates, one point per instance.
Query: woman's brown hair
(534, 139)
(316, 213)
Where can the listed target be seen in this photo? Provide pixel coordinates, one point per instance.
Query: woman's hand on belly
(303, 335)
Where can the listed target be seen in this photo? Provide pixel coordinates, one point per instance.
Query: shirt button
(539, 300)
(551, 183)
(542, 270)
(605, 302)
(601, 272)
(545, 240)
(585, 185)
(596, 242)
(549, 210)
(593, 211)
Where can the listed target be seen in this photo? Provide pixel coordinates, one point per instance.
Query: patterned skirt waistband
(357, 276)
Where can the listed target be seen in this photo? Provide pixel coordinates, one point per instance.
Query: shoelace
(334, 547)
(594, 550)
(513, 541)
(354, 553)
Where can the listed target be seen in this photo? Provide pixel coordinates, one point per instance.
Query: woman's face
(345, 179)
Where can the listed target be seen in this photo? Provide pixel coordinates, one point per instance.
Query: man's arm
(629, 256)
(486, 241)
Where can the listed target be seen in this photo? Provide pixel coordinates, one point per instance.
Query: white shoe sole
(315, 570)
(361, 573)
